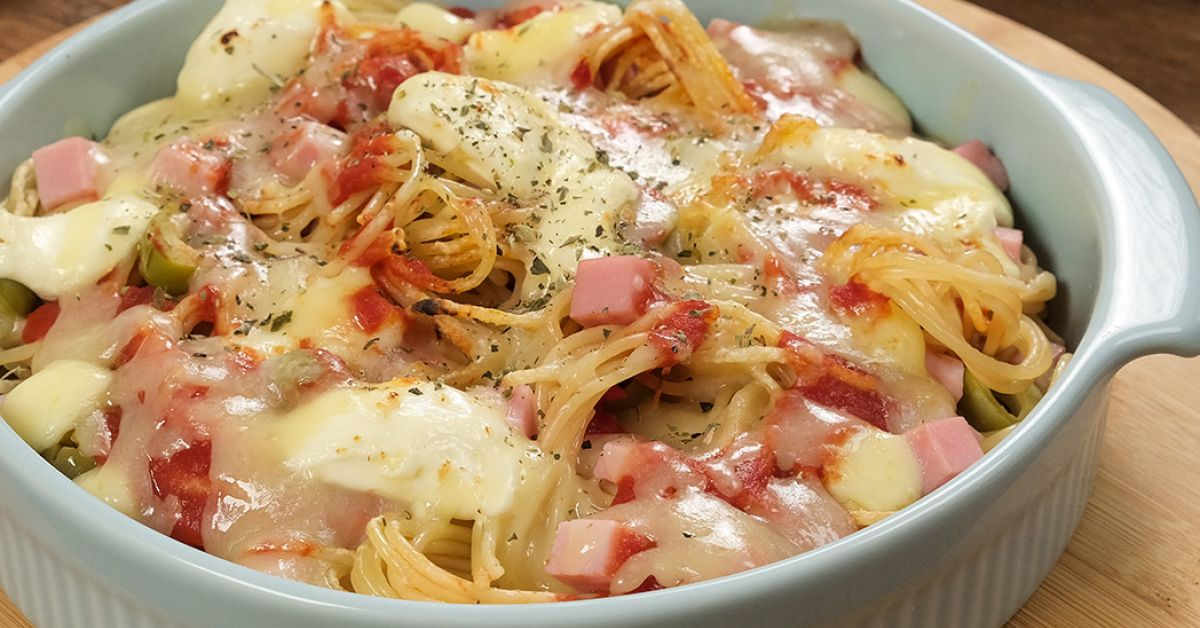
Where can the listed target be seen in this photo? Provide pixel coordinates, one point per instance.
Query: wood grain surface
(1134, 560)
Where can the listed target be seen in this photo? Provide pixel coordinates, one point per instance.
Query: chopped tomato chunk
(363, 168)
(184, 475)
(834, 382)
(855, 298)
(371, 309)
(604, 422)
(39, 322)
(133, 296)
(581, 76)
(397, 268)
(680, 333)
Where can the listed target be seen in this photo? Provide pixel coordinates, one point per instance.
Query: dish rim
(53, 495)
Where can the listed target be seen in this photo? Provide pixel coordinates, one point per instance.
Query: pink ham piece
(802, 433)
(1011, 240)
(616, 460)
(68, 172)
(297, 152)
(947, 370)
(612, 290)
(192, 169)
(979, 154)
(945, 448)
(1056, 353)
(522, 411)
(654, 219)
(642, 469)
(302, 99)
(587, 553)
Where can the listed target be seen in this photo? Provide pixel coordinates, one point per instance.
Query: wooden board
(1134, 560)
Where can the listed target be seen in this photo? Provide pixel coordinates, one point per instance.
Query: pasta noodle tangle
(956, 295)
(390, 565)
(437, 316)
(661, 49)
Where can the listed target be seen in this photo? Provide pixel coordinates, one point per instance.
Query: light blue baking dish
(1104, 207)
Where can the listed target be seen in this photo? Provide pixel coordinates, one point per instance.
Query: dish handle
(1155, 228)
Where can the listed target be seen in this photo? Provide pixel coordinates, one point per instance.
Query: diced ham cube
(612, 290)
(801, 432)
(192, 169)
(69, 172)
(302, 99)
(655, 218)
(587, 553)
(642, 469)
(522, 411)
(947, 370)
(1043, 382)
(945, 448)
(979, 154)
(1011, 240)
(298, 151)
(616, 460)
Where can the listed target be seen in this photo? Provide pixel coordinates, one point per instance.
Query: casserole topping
(549, 301)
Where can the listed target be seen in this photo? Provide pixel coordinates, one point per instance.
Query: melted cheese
(698, 537)
(318, 309)
(60, 254)
(890, 338)
(874, 471)
(110, 485)
(546, 48)
(944, 192)
(136, 137)
(502, 137)
(43, 408)
(436, 21)
(249, 47)
(445, 452)
(875, 95)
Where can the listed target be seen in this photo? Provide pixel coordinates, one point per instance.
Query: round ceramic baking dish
(1105, 208)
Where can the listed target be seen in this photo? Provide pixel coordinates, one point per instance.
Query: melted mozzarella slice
(445, 452)
(316, 310)
(63, 253)
(43, 408)
(436, 21)
(501, 137)
(249, 47)
(876, 96)
(874, 471)
(109, 484)
(544, 49)
(890, 337)
(945, 193)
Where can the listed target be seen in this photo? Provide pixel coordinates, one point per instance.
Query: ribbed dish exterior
(54, 593)
(984, 589)
(994, 582)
